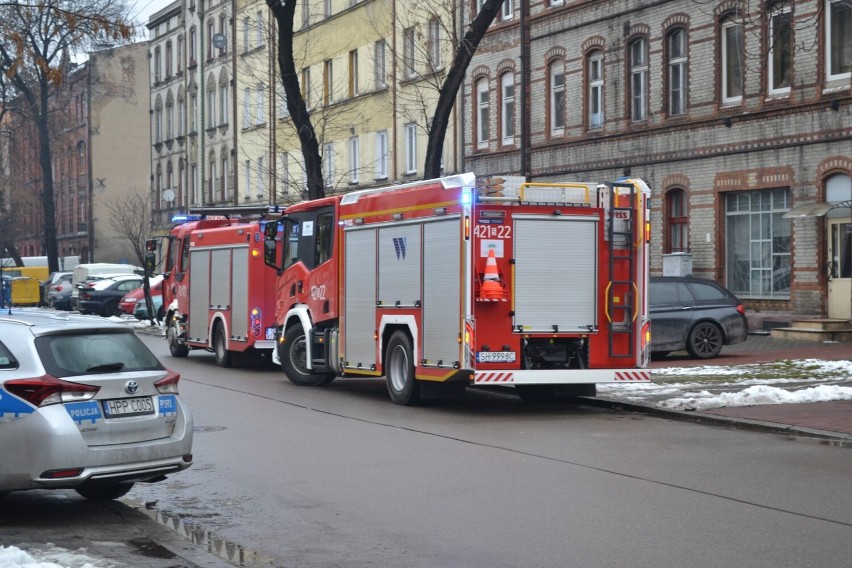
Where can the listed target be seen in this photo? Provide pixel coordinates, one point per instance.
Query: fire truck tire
(705, 340)
(220, 347)
(293, 354)
(175, 348)
(399, 369)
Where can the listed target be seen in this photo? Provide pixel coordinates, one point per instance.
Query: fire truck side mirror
(270, 245)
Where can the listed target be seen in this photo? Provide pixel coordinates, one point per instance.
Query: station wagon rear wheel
(100, 491)
(704, 341)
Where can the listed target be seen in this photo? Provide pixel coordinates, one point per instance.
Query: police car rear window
(7, 360)
(85, 354)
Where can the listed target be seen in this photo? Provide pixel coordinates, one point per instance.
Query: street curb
(822, 437)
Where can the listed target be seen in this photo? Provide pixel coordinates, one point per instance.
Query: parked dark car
(102, 296)
(52, 280)
(695, 314)
(59, 292)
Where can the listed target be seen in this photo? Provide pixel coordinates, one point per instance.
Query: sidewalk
(822, 419)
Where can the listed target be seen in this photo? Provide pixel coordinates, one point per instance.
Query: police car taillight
(169, 383)
(47, 389)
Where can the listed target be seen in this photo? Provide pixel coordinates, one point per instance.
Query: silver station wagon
(84, 404)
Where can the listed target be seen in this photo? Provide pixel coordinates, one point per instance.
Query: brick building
(738, 114)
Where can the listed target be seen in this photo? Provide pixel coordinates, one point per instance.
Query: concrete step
(824, 324)
(815, 335)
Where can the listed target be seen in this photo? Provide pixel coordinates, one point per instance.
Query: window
(408, 52)
(247, 179)
(306, 14)
(259, 32)
(757, 242)
(382, 154)
(284, 112)
(194, 188)
(181, 117)
(327, 78)
(379, 64)
(246, 107)
(211, 181)
(328, 165)
(507, 108)
(677, 72)
(639, 79)
(838, 31)
(211, 29)
(353, 72)
(410, 148)
(193, 112)
(180, 54)
(596, 92)
(223, 32)
(306, 85)
(284, 170)
(677, 238)
(354, 159)
(223, 103)
(223, 187)
(483, 113)
(326, 6)
(169, 58)
(435, 43)
(170, 119)
(507, 10)
(732, 61)
(157, 64)
(780, 50)
(211, 107)
(557, 97)
(246, 34)
(258, 105)
(158, 124)
(261, 182)
(193, 57)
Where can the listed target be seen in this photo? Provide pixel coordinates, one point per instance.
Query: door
(839, 268)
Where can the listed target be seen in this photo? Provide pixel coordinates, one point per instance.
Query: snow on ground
(700, 388)
(49, 556)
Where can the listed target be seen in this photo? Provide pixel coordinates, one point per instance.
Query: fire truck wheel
(175, 348)
(220, 347)
(704, 341)
(294, 360)
(399, 368)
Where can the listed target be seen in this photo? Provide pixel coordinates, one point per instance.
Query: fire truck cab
(436, 283)
(217, 293)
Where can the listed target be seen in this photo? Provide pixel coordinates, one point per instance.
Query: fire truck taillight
(467, 227)
(646, 335)
(255, 253)
(647, 231)
(254, 321)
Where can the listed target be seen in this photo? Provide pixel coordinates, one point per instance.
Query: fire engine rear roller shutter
(359, 289)
(441, 291)
(556, 273)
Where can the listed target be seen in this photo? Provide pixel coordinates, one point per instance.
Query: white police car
(84, 404)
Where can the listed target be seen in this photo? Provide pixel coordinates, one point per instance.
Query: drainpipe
(524, 92)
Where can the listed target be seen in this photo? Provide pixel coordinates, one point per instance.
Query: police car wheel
(403, 388)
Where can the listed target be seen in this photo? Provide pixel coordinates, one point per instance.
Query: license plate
(495, 356)
(128, 407)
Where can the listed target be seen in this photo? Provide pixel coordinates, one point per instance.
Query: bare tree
(37, 43)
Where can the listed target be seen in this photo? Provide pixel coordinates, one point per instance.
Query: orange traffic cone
(491, 290)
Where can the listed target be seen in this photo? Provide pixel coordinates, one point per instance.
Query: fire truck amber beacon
(434, 286)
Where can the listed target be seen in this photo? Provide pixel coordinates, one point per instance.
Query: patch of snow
(758, 394)
(49, 556)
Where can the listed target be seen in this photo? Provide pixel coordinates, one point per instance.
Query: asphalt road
(339, 476)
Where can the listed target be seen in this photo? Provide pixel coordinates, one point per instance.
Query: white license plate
(128, 407)
(495, 356)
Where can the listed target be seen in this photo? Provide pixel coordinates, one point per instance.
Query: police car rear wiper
(106, 367)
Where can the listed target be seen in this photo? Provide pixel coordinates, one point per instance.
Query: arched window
(733, 64)
(677, 66)
(507, 108)
(483, 113)
(677, 234)
(595, 78)
(556, 83)
(639, 79)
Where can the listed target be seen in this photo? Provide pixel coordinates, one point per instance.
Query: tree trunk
(45, 162)
(284, 11)
(452, 84)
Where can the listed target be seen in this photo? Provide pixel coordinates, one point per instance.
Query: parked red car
(128, 303)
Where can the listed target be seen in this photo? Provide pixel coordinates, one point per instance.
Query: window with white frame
(283, 111)
(284, 171)
(306, 86)
(246, 107)
(211, 106)
(327, 82)
(435, 43)
(181, 106)
(353, 73)
(306, 14)
(158, 124)
(557, 2)
(380, 64)
(780, 50)
(354, 159)
(410, 148)
(408, 52)
(223, 30)
(193, 49)
(327, 8)
(223, 103)
(261, 181)
(507, 108)
(193, 112)
(382, 154)
(557, 97)
(258, 105)
(260, 31)
(170, 119)
(733, 45)
(224, 193)
(193, 182)
(677, 71)
(507, 10)
(247, 34)
(639, 79)
(838, 39)
(211, 29)
(483, 113)
(758, 239)
(328, 165)
(211, 179)
(247, 180)
(596, 89)
(180, 55)
(169, 59)
(157, 65)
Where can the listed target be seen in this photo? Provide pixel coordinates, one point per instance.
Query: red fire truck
(217, 293)
(434, 283)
